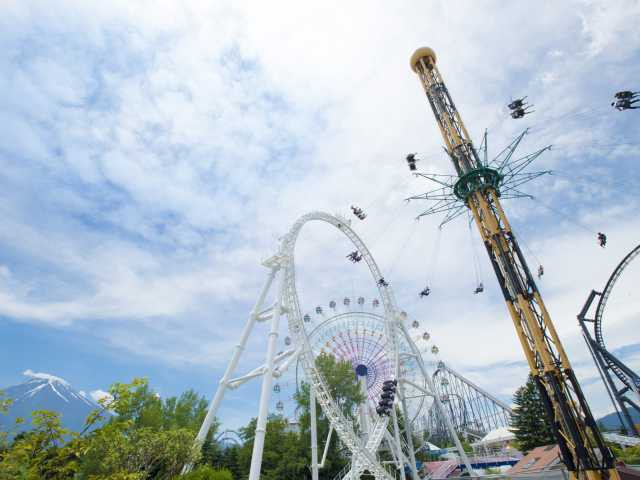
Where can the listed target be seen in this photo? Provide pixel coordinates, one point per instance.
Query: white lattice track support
(314, 435)
(233, 363)
(342, 425)
(267, 380)
(363, 454)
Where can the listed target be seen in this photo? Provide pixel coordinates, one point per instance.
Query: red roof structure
(538, 460)
(547, 458)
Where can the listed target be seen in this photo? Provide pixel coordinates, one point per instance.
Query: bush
(205, 472)
(630, 455)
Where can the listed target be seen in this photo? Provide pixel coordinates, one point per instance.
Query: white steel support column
(364, 416)
(267, 380)
(398, 456)
(396, 433)
(393, 338)
(314, 434)
(409, 432)
(233, 363)
(436, 398)
(326, 447)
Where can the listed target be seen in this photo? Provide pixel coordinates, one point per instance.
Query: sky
(153, 153)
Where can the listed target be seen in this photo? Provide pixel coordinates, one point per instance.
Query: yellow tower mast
(581, 445)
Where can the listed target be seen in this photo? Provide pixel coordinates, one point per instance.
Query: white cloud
(155, 154)
(98, 395)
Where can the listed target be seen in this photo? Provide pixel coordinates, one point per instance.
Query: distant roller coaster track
(473, 411)
(623, 396)
(229, 436)
(604, 297)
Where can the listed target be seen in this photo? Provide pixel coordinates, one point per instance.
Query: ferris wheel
(621, 382)
(352, 330)
(379, 346)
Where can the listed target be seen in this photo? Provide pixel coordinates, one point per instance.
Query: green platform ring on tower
(477, 179)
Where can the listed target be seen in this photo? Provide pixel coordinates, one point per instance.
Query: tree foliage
(136, 435)
(343, 386)
(41, 453)
(139, 436)
(206, 472)
(283, 456)
(529, 419)
(629, 455)
(5, 403)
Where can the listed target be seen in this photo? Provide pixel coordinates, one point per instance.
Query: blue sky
(153, 153)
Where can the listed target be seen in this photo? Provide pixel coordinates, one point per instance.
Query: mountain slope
(612, 422)
(46, 392)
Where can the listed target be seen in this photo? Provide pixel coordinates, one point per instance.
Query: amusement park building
(499, 440)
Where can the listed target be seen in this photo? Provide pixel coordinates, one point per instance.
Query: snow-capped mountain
(42, 391)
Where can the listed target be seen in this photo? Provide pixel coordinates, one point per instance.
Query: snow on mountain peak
(43, 391)
(45, 376)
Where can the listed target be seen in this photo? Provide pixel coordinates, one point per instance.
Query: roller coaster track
(625, 375)
(364, 457)
(607, 362)
(472, 410)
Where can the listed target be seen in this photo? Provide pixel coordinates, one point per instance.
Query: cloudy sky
(152, 153)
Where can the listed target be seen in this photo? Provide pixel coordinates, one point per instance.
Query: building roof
(538, 459)
(502, 434)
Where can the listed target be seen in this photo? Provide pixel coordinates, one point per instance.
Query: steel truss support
(363, 450)
(314, 435)
(396, 452)
(610, 368)
(275, 365)
(265, 393)
(409, 432)
(582, 447)
(398, 443)
(233, 363)
(326, 447)
(473, 410)
(431, 390)
(281, 363)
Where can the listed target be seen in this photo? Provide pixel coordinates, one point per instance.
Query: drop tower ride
(581, 445)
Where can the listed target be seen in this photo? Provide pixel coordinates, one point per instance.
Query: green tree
(144, 437)
(46, 452)
(287, 454)
(529, 419)
(229, 459)
(205, 472)
(5, 403)
(629, 455)
(134, 435)
(345, 390)
(283, 455)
